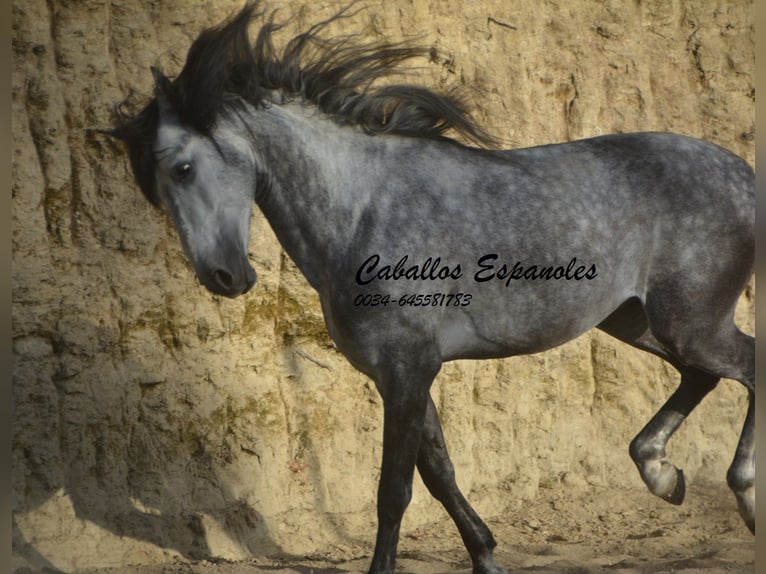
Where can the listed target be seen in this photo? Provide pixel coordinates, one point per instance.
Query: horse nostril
(223, 278)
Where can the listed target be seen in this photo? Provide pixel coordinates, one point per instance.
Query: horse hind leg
(720, 349)
(647, 449)
(630, 324)
(438, 475)
(741, 475)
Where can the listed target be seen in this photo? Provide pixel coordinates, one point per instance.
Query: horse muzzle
(227, 281)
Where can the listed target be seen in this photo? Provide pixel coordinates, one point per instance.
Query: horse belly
(507, 326)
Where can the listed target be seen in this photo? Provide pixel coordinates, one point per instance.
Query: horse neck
(314, 200)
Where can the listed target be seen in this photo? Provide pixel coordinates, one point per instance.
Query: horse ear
(161, 91)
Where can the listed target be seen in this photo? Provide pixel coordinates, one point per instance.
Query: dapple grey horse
(425, 250)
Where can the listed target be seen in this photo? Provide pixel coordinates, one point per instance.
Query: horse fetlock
(484, 563)
(387, 568)
(741, 480)
(643, 452)
(492, 568)
(741, 477)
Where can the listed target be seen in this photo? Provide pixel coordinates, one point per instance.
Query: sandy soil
(616, 531)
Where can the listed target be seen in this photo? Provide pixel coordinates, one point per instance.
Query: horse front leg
(438, 475)
(648, 448)
(405, 398)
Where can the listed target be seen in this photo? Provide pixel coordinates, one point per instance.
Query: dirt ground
(616, 531)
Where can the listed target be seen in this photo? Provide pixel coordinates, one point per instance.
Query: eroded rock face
(153, 419)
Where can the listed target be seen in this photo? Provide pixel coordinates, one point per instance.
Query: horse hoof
(484, 563)
(746, 504)
(679, 492)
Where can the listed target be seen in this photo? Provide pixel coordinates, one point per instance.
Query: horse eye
(183, 170)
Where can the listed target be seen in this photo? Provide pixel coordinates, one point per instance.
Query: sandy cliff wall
(153, 419)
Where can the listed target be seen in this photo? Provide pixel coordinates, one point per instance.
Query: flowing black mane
(333, 74)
